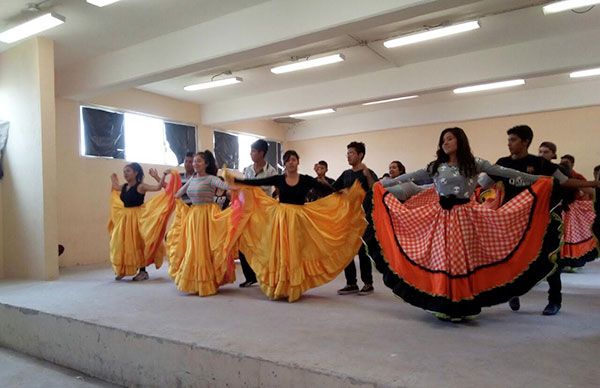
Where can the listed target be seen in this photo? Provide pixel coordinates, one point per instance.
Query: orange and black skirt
(456, 260)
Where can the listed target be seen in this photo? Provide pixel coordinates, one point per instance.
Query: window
(134, 137)
(233, 150)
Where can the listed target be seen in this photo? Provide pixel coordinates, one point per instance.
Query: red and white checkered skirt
(459, 254)
(578, 243)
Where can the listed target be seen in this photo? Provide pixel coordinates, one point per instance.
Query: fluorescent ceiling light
(32, 27)
(585, 73)
(566, 5)
(431, 34)
(390, 100)
(493, 85)
(101, 3)
(313, 113)
(309, 63)
(213, 84)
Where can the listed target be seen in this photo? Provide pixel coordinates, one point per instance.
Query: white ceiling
(162, 46)
(91, 31)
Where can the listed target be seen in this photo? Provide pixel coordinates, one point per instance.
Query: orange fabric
(483, 279)
(293, 248)
(579, 249)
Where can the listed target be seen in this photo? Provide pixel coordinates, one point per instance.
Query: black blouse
(131, 197)
(289, 194)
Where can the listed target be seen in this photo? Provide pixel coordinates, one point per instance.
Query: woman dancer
(293, 247)
(452, 256)
(198, 240)
(137, 230)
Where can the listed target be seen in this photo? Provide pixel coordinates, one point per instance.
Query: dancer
(451, 255)
(137, 230)
(519, 140)
(199, 255)
(369, 250)
(259, 168)
(188, 165)
(404, 190)
(321, 168)
(291, 247)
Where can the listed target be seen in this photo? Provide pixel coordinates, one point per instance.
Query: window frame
(81, 143)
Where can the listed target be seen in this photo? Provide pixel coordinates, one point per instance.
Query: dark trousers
(365, 269)
(246, 269)
(554, 291)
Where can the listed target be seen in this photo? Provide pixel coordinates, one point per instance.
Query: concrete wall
(84, 182)
(575, 131)
(29, 187)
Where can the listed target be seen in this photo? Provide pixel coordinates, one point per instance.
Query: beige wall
(29, 187)
(575, 131)
(84, 182)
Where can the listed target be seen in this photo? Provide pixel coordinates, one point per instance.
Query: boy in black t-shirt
(519, 140)
(366, 177)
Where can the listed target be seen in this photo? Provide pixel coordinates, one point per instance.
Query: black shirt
(346, 180)
(315, 194)
(530, 164)
(288, 194)
(131, 197)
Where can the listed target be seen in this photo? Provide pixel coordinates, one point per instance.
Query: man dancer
(519, 140)
(258, 169)
(370, 249)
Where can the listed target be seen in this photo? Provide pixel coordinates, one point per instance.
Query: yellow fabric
(199, 248)
(136, 233)
(126, 243)
(293, 248)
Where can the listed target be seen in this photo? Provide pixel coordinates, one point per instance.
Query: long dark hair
(211, 163)
(138, 170)
(466, 160)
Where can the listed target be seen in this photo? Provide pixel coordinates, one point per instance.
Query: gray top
(448, 180)
(405, 190)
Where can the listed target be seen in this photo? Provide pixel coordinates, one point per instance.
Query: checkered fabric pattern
(578, 221)
(460, 240)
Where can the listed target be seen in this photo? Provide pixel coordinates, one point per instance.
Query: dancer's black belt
(448, 202)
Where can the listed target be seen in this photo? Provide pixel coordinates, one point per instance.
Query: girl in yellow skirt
(293, 247)
(199, 238)
(137, 229)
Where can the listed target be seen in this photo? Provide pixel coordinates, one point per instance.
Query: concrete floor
(21, 371)
(376, 338)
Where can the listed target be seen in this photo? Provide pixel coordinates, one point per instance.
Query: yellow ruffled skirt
(199, 248)
(293, 248)
(137, 233)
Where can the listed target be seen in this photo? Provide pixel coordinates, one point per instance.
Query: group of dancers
(456, 236)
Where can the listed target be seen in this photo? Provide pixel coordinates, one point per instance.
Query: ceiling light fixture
(32, 27)
(585, 73)
(431, 34)
(390, 100)
(567, 5)
(313, 113)
(307, 64)
(213, 84)
(493, 85)
(101, 3)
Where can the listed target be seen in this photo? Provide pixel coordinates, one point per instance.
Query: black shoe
(514, 303)
(551, 309)
(247, 283)
(348, 290)
(366, 290)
